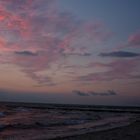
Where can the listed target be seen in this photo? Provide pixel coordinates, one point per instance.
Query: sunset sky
(70, 51)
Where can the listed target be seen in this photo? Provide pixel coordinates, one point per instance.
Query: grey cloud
(107, 93)
(119, 54)
(80, 93)
(26, 53)
(92, 93)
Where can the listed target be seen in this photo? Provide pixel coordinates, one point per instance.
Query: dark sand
(130, 132)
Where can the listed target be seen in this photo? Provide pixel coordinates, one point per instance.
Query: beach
(28, 121)
(130, 132)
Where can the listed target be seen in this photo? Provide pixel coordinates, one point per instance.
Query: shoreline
(129, 132)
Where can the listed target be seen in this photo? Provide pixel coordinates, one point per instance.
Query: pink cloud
(39, 27)
(2, 43)
(134, 40)
(12, 21)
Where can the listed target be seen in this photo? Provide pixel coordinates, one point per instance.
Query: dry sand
(130, 132)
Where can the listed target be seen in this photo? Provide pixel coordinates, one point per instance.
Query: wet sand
(130, 132)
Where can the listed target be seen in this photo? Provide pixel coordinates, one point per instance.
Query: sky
(70, 51)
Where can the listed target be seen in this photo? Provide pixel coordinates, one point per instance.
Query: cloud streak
(26, 53)
(122, 54)
(80, 93)
(93, 93)
(107, 93)
(118, 69)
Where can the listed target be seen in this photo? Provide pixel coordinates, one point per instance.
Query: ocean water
(20, 122)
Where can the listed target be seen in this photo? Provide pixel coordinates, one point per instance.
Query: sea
(38, 121)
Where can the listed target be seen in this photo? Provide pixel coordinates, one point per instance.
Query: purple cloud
(118, 69)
